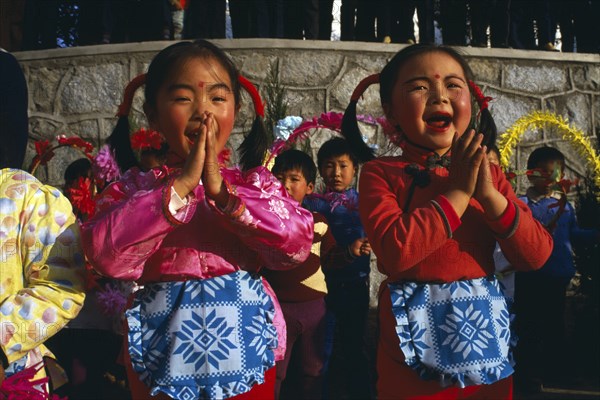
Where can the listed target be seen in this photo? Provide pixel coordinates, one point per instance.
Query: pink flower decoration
(111, 300)
(367, 119)
(331, 120)
(105, 166)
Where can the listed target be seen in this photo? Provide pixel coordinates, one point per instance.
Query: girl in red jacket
(433, 216)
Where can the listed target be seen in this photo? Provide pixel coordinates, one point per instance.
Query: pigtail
(119, 140)
(254, 147)
(350, 129)
(487, 126)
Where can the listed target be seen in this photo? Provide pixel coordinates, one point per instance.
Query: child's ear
(310, 188)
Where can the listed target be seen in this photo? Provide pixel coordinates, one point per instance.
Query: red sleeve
(523, 240)
(400, 240)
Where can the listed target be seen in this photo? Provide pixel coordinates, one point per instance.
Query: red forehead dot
(437, 76)
(201, 84)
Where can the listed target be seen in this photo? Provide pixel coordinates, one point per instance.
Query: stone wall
(77, 90)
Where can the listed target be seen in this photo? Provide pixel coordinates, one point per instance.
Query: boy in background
(540, 296)
(301, 290)
(348, 287)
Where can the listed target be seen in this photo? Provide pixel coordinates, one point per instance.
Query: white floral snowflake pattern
(468, 331)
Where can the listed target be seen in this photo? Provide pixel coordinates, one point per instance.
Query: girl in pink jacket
(194, 234)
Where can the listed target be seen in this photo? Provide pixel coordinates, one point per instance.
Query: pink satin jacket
(135, 237)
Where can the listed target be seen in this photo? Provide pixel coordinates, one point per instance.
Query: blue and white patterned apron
(458, 333)
(208, 339)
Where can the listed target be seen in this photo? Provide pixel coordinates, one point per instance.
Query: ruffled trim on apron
(458, 333)
(202, 339)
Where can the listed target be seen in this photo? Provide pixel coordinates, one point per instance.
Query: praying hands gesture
(493, 202)
(470, 176)
(202, 164)
(467, 156)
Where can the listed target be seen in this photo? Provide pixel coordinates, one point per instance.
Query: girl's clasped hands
(202, 164)
(470, 176)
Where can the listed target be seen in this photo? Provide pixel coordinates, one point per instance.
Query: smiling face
(200, 85)
(430, 100)
(338, 172)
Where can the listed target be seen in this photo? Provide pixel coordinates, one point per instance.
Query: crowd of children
(248, 277)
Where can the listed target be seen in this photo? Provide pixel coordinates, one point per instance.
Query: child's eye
(418, 88)
(219, 99)
(182, 99)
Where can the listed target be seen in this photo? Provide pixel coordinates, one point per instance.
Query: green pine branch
(275, 98)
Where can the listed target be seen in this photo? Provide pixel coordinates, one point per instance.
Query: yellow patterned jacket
(41, 265)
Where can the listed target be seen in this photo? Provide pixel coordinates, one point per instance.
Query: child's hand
(485, 183)
(194, 164)
(211, 174)
(467, 155)
(360, 247)
(493, 202)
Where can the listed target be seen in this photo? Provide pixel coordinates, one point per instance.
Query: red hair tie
(481, 99)
(130, 89)
(363, 85)
(259, 107)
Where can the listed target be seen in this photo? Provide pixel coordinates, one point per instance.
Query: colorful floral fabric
(41, 265)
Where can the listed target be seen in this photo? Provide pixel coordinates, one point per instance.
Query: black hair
(14, 125)
(254, 146)
(296, 159)
(543, 154)
(387, 80)
(335, 147)
(79, 168)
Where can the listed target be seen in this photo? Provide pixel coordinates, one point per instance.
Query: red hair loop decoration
(259, 107)
(130, 89)
(363, 85)
(481, 99)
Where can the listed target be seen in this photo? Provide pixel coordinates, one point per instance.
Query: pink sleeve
(268, 219)
(115, 247)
